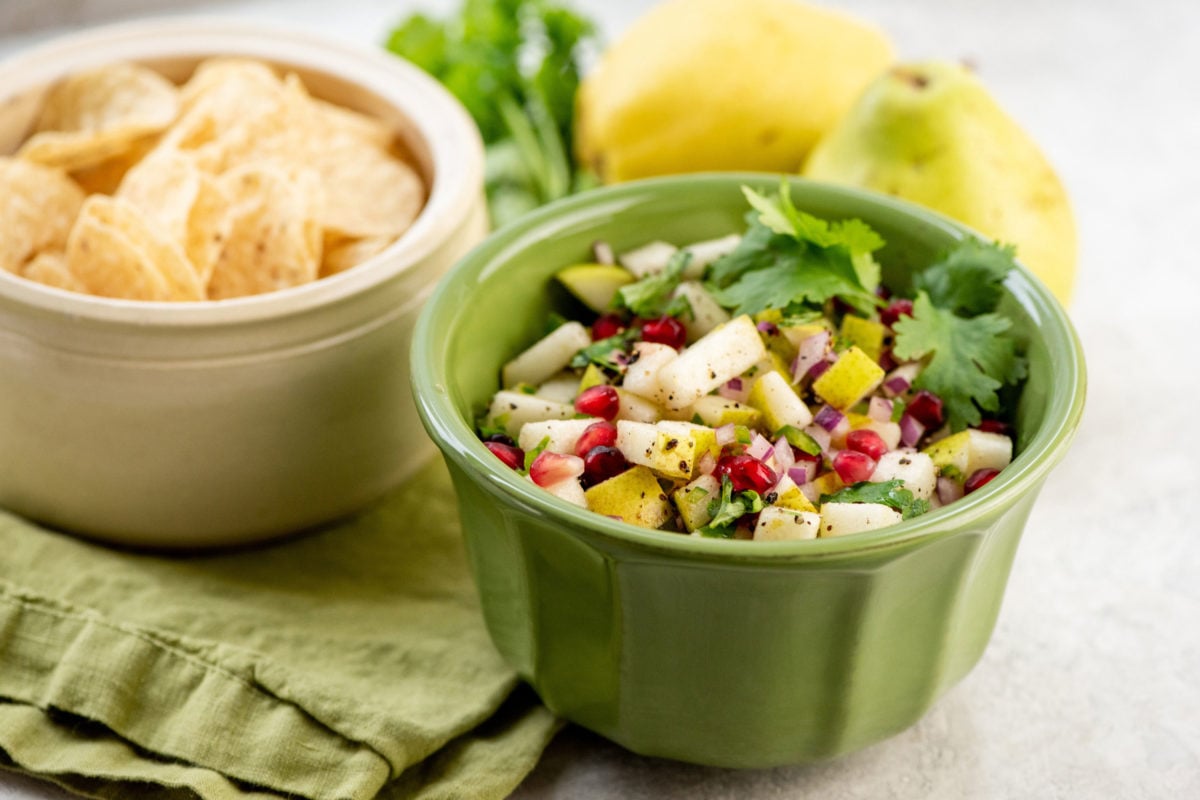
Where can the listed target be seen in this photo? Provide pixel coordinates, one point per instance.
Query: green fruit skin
(931, 133)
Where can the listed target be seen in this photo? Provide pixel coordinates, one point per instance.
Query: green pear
(931, 133)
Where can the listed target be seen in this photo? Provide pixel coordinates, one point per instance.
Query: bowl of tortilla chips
(214, 240)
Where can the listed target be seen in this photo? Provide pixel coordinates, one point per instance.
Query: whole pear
(723, 85)
(931, 133)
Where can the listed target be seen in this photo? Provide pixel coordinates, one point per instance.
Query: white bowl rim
(453, 141)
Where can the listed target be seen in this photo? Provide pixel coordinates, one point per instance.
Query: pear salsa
(766, 385)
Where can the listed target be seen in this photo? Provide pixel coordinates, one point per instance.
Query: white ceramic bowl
(186, 425)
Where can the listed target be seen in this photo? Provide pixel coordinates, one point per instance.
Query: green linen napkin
(344, 664)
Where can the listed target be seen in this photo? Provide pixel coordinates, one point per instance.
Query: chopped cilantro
(652, 296)
(889, 493)
(604, 352)
(968, 359)
(729, 508)
(789, 258)
(532, 455)
(492, 427)
(697, 419)
(967, 279)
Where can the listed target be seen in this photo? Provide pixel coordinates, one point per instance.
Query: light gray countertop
(1090, 687)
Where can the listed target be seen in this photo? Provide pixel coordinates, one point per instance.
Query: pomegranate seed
(607, 325)
(551, 468)
(598, 434)
(896, 309)
(979, 478)
(602, 463)
(747, 473)
(853, 467)
(512, 456)
(888, 361)
(926, 407)
(665, 330)
(599, 401)
(995, 426)
(867, 442)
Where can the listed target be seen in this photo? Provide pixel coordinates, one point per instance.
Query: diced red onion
(802, 474)
(620, 358)
(880, 409)
(899, 380)
(767, 327)
(818, 369)
(726, 434)
(948, 490)
(760, 448)
(911, 430)
(784, 458)
(828, 417)
(706, 464)
(819, 435)
(602, 252)
(810, 352)
(733, 389)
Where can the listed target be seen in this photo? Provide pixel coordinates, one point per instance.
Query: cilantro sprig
(605, 352)
(954, 328)
(653, 295)
(889, 493)
(789, 258)
(727, 509)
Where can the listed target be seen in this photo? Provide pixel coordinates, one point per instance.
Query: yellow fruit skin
(931, 133)
(723, 85)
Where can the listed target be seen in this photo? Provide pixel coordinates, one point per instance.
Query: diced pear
(790, 496)
(854, 375)
(777, 524)
(839, 519)
(669, 448)
(723, 353)
(562, 388)
(708, 251)
(706, 312)
(562, 433)
(634, 496)
(641, 377)
(915, 469)
(823, 484)
(715, 411)
(693, 499)
(970, 450)
(569, 490)
(547, 356)
(774, 396)
(516, 409)
(592, 376)
(638, 409)
(867, 334)
(594, 284)
(648, 259)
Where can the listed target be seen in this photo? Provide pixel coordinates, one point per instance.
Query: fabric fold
(344, 664)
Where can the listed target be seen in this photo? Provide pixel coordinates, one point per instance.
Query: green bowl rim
(457, 441)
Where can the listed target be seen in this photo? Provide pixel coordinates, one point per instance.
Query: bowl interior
(495, 303)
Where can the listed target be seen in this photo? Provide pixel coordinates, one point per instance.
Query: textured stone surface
(1089, 688)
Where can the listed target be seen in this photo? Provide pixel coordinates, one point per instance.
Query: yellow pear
(723, 85)
(931, 133)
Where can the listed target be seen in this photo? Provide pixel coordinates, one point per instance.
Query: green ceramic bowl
(719, 652)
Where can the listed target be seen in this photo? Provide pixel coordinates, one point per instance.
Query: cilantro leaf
(604, 353)
(492, 427)
(789, 258)
(968, 359)
(967, 279)
(729, 508)
(889, 493)
(652, 295)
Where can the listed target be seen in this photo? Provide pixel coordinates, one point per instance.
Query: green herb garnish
(604, 352)
(889, 493)
(728, 509)
(967, 279)
(652, 297)
(492, 427)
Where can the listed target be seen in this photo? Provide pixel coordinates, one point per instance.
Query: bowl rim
(458, 442)
(453, 142)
